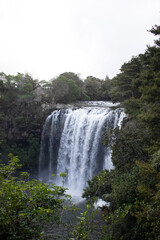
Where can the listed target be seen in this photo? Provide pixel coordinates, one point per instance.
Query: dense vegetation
(133, 187)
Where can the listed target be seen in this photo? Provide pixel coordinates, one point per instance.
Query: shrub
(25, 205)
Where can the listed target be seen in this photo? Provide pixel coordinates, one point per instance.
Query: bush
(26, 205)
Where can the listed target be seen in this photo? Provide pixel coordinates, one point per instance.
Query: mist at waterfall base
(72, 142)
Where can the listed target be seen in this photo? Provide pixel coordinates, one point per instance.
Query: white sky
(92, 37)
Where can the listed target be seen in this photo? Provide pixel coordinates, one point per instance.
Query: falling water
(72, 142)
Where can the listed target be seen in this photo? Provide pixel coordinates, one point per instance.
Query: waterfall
(72, 142)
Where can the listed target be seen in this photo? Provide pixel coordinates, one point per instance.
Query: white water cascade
(72, 142)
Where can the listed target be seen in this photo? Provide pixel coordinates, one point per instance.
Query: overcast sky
(91, 37)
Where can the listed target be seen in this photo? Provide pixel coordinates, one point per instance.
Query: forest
(132, 187)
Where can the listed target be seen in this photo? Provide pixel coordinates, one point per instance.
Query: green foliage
(146, 208)
(27, 151)
(130, 144)
(26, 205)
(63, 175)
(124, 187)
(98, 186)
(117, 224)
(85, 224)
(133, 106)
(68, 87)
(97, 89)
(21, 117)
(125, 84)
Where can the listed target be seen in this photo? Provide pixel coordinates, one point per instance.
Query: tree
(126, 84)
(96, 88)
(67, 88)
